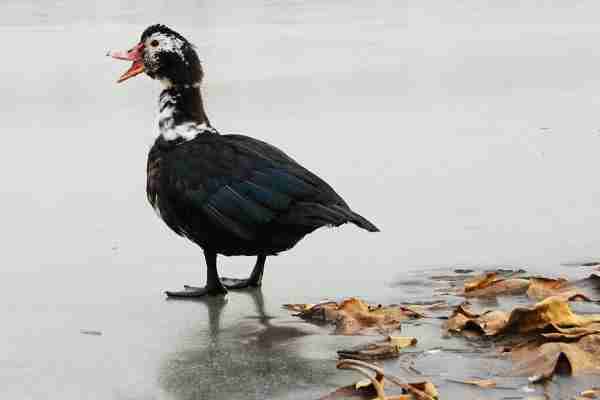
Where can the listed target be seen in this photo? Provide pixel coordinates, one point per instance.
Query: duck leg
(255, 279)
(213, 283)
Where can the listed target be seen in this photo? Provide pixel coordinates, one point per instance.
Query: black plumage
(229, 194)
(237, 195)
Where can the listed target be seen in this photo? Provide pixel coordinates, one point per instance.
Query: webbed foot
(192, 292)
(234, 283)
(254, 281)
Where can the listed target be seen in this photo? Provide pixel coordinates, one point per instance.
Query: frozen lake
(467, 132)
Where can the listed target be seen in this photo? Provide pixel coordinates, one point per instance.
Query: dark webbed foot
(192, 291)
(254, 281)
(213, 287)
(233, 283)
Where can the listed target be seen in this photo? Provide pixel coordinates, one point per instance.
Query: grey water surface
(467, 131)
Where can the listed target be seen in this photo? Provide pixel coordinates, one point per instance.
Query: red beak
(135, 55)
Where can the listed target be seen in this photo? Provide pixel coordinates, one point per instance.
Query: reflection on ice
(254, 358)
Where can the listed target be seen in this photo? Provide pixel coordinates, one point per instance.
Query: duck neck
(181, 114)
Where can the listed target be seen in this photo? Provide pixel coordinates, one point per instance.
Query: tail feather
(357, 219)
(362, 222)
(315, 215)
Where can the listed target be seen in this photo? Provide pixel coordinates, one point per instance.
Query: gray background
(467, 131)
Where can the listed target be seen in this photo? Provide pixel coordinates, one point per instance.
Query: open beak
(135, 55)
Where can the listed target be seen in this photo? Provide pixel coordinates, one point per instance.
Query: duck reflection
(252, 357)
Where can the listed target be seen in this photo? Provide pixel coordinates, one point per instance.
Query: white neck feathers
(170, 129)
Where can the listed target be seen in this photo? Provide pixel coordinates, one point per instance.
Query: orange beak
(135, 54)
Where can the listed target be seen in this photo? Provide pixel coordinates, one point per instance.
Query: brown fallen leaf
(423, 390)
(481, 281)
(375, 386)
(537, 288)
(552, 318)
(541, 362)
(488, 323)
(298, 307)
(593, 393)
(401, 312)
(553, 313)
(353, 316)
(492, 284)
(482, 383)
(388, 348)
(370, 388)
(574, 333)
(541, 288)
(354, 391)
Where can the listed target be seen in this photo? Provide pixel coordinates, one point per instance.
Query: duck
(230, 194)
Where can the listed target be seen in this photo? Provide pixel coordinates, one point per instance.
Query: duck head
(165, 55)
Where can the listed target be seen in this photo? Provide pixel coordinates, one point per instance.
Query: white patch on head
(165, 43)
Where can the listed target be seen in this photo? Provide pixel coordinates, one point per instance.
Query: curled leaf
(388, 348)
(375, 386)
(423, 390)
(552, 313)
(353, 316)
(537, 288)
(541, 288)
(492, 284)
(298, 307)
(482, 383)
(541, 362)
(488, 323)
(551, 316)
(593, 393)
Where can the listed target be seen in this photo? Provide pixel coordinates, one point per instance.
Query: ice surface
(468, 132)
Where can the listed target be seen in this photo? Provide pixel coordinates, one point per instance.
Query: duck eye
(154, 43)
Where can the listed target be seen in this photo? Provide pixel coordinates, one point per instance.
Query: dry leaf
(423, 390)
(553, 313)
(480, 282)
(488, 323)
(537, 288)
(573, 333)
(298, 307)
(552, 317)
(593, 393)
(402, 341)
(388, 348)
(491, 284)
(541, 288)
(353, 316)
(375, 388)
(482, 383)
(541, 362)
(352, 392)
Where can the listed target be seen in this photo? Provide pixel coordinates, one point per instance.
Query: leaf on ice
(551, 316)
(541, 362)
(353, 316)
(488, 323)
(482, 383)
(383, 349)
(375, 390)
(493, 284)
(537, 288)
(593, 393)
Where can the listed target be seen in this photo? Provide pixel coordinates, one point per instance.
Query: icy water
(468, 132)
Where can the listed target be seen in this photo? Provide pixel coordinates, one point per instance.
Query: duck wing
(244, 186)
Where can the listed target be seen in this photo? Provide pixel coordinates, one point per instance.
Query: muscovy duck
(229, 194)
